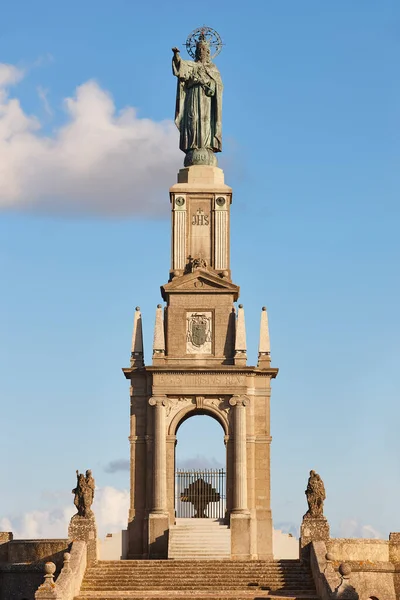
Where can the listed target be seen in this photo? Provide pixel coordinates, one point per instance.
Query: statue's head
(202, 50)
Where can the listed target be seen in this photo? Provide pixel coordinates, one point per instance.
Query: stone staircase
(197, 580)
(199, 539)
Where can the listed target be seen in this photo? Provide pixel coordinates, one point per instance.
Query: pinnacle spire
(264, 346)
(137, 359)
(159, 335)
(240, 339)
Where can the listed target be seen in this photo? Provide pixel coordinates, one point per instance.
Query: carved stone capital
(239, 401)
(158, 401)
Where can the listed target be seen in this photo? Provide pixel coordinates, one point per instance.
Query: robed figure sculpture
(198, 105)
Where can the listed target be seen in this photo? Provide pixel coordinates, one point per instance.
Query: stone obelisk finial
(137, 359)
(264, 347)
(159, 335)
(240, 339)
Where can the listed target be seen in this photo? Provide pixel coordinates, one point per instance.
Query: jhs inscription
(199, 218)
(199, 380)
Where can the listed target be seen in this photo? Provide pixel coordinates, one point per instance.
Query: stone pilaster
(179, 216)
(240, 515)
(221, 236)
(158, 518)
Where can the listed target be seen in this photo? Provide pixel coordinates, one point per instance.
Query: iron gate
(200, 494)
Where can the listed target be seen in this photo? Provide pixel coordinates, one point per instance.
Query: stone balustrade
(68, 583)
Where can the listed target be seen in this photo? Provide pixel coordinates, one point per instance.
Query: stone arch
(192, 410)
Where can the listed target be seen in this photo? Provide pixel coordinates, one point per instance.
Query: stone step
(179, 583)
(192, 585)
(276, 564)
(233, 564)
(197, 573)
(209, 589)
(238, 595)
(191, 581)
(200, 539)
(199, 579)
(196, 588)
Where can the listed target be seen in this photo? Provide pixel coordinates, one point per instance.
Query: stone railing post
(47, 591)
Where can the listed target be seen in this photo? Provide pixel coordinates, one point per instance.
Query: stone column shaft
(240, 455)
(160, 457)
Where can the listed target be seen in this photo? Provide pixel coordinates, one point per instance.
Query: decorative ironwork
(207, 35)
(200, 494)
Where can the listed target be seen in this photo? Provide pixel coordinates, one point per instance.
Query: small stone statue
(315, 494)
(198, 104)
(84, 493)
(195, 263)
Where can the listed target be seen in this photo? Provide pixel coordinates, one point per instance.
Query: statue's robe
(198, 105)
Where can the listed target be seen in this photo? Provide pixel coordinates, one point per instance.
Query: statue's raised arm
(198, 113)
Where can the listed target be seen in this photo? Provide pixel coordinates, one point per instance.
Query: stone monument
(83, 525)
(199, 361)
(315, 527)
(199, 100)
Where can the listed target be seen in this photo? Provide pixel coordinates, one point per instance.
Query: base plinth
(158, 535)
(240, 525)
(84, 529)
(313, 529)
(200, 156)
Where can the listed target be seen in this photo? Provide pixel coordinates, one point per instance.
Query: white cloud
(9, 74)
(43, 95)
(101, 161)
(351, 528)
(199, 462)
(110, 507)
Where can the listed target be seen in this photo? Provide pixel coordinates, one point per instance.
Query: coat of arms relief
(199, 333)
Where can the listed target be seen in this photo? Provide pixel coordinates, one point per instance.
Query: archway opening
(200, 473)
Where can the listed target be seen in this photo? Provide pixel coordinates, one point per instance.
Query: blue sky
(311, 148)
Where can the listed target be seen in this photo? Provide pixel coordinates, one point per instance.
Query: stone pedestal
(313, 529)
(158, 535)
(394, 558)
(240, 525)
(264, 535)
(200, 366)
(84, 529)
(394, 548)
